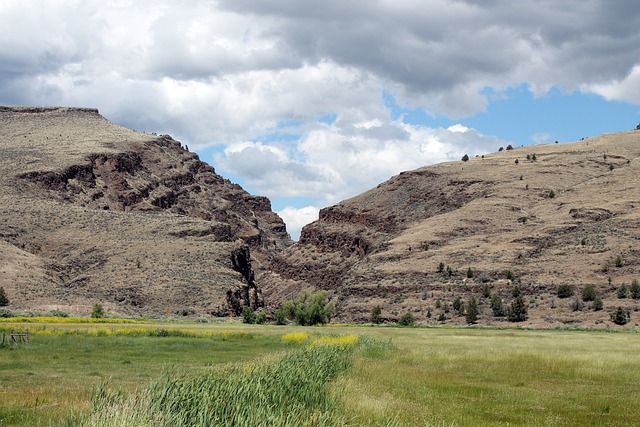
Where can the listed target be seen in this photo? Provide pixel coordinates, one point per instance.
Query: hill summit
(93, 212)
(539, 218)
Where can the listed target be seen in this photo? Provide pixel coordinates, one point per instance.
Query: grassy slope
(436, 377)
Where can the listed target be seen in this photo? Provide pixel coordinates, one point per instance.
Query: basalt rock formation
(93, 212)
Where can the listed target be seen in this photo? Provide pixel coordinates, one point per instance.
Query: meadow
(98, 374)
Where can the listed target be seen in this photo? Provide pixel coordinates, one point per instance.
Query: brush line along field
(76, 373)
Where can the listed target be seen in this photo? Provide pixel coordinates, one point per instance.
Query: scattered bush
(551, 194)
(622, 291)
(472, 311)
(510, 275)
(442, 317)
(564, 291)
(98, 311)
(440, 267)
(577, 305)
(407, 319)
(4, 300)
(635, 289)
(516, 292)
(619, 261)
(465, 158)
(486, 290)
(620, 316)
(588, 293)
(496, 306)
(309, 309)
(58, 313)
(248, 315)
(458, 305)
(597, 304)
(5, 312)
(509, 147)
(261, 317)
(469, 273)
(376, 315)
(518, 310)
(280, 317)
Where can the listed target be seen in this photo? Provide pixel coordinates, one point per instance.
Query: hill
(535, 217)
(93, 212)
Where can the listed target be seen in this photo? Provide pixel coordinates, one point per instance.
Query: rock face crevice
(249, 294)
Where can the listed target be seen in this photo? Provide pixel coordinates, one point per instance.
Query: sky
(309, 102)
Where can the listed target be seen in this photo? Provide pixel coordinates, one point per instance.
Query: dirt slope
(547, 214)
(93, 212)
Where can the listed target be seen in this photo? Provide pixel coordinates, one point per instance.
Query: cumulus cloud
(296, 218)
(234, 73)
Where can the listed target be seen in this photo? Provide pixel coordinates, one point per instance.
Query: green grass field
(437, 376)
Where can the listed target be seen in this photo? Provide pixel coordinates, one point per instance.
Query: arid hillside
(93, 212)
(535, 217)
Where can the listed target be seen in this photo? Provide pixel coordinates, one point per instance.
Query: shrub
(465, 158)
(564, 291)
(407, 319)
(619, 261)
(501, 148)
(469, 273)
(516, 292)
(309, 309)
(635, 289)
(98, 311)
(4, 301)
(261, 317)
(440, 267)
(58, 313)
(496, 306)
(620, 316)
(5, 312)
(486, 290)
(442, 317)
(376, 315)
(517, 161)
(510, 275)
(248, 315)
(518, 310)
(472, 311)
(577, 305)
(280, 316)
(509, 147)
(588, 293)
(622, 291)
(597, 304)
(458, 305)
(551, 194)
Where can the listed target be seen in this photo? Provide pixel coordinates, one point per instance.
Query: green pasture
(433, 376)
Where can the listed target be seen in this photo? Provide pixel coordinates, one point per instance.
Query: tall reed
(288, 390)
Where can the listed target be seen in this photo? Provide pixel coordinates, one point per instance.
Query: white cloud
(228, 72)
(296, 218)
(626, 89)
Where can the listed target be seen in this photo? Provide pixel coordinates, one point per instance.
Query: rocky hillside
(93, 212)
(534, 217)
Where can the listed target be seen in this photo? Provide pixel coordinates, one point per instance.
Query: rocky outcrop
(132, 220)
